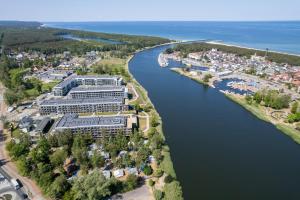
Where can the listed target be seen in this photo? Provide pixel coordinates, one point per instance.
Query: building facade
(64, 106)
(64, 87)
(98, 126)
(98, 92)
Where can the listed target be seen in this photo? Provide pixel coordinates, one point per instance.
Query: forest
(20, 36)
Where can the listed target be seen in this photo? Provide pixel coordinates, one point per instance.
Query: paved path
(141, 193)
(136, 95)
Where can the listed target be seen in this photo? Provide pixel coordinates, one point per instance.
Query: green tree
(24, 166)
(154, 121)
(142, 155)
(131, 182)
(97, 160)
(65, 138)
(11, 97)
(58, 157)
(52, 140)
(92, 186)
(157, 155)
(41, 152)
(294, 108)
(156, 141)
(17, 150)
(147, 170)
(207, 77)
(59, 186)
(168, 179)
(151, 183)
(79, 150)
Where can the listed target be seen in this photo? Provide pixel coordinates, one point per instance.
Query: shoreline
(251, 48)
(216, 42)
(166, 163)
(145, 92)
(179, 71)
(284, 128)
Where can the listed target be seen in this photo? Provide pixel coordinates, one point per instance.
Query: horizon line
(93, 21)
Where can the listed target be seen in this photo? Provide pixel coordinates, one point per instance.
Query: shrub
(173, 191)
(207, 77)
(131, 183)
(151, 182)
(168, 179)
(158, 173)
(147, 170)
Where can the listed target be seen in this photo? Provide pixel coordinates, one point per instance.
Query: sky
(149, 10)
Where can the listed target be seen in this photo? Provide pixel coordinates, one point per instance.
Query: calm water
(220, 151)
(277, 36)
(72, 37)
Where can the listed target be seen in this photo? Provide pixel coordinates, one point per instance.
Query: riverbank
(198, 79)
(259, 112)
(166, 163)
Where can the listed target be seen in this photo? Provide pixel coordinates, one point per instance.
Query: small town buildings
(195, 56)
(26, 124)
(53, 75)
(133, 171)
(44, 125)
(119, 173)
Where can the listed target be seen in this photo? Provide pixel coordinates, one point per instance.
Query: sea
(282, 36)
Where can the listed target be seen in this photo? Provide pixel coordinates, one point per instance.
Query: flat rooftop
(88, 101)
(75, 77)
(74, 121)
(97, 89)
(96, 77)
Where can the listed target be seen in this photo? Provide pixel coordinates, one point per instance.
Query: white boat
(162, 61)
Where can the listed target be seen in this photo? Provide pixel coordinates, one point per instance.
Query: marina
(162, 60)
(232, 153)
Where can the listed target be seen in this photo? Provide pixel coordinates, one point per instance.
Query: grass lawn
(32, 93)
(48, 86)
(290, 131)
(113, 62)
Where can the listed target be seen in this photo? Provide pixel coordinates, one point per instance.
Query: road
(136, 95)
(8, 168)
(19, 193)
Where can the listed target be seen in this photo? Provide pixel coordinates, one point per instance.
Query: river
(219, 150)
